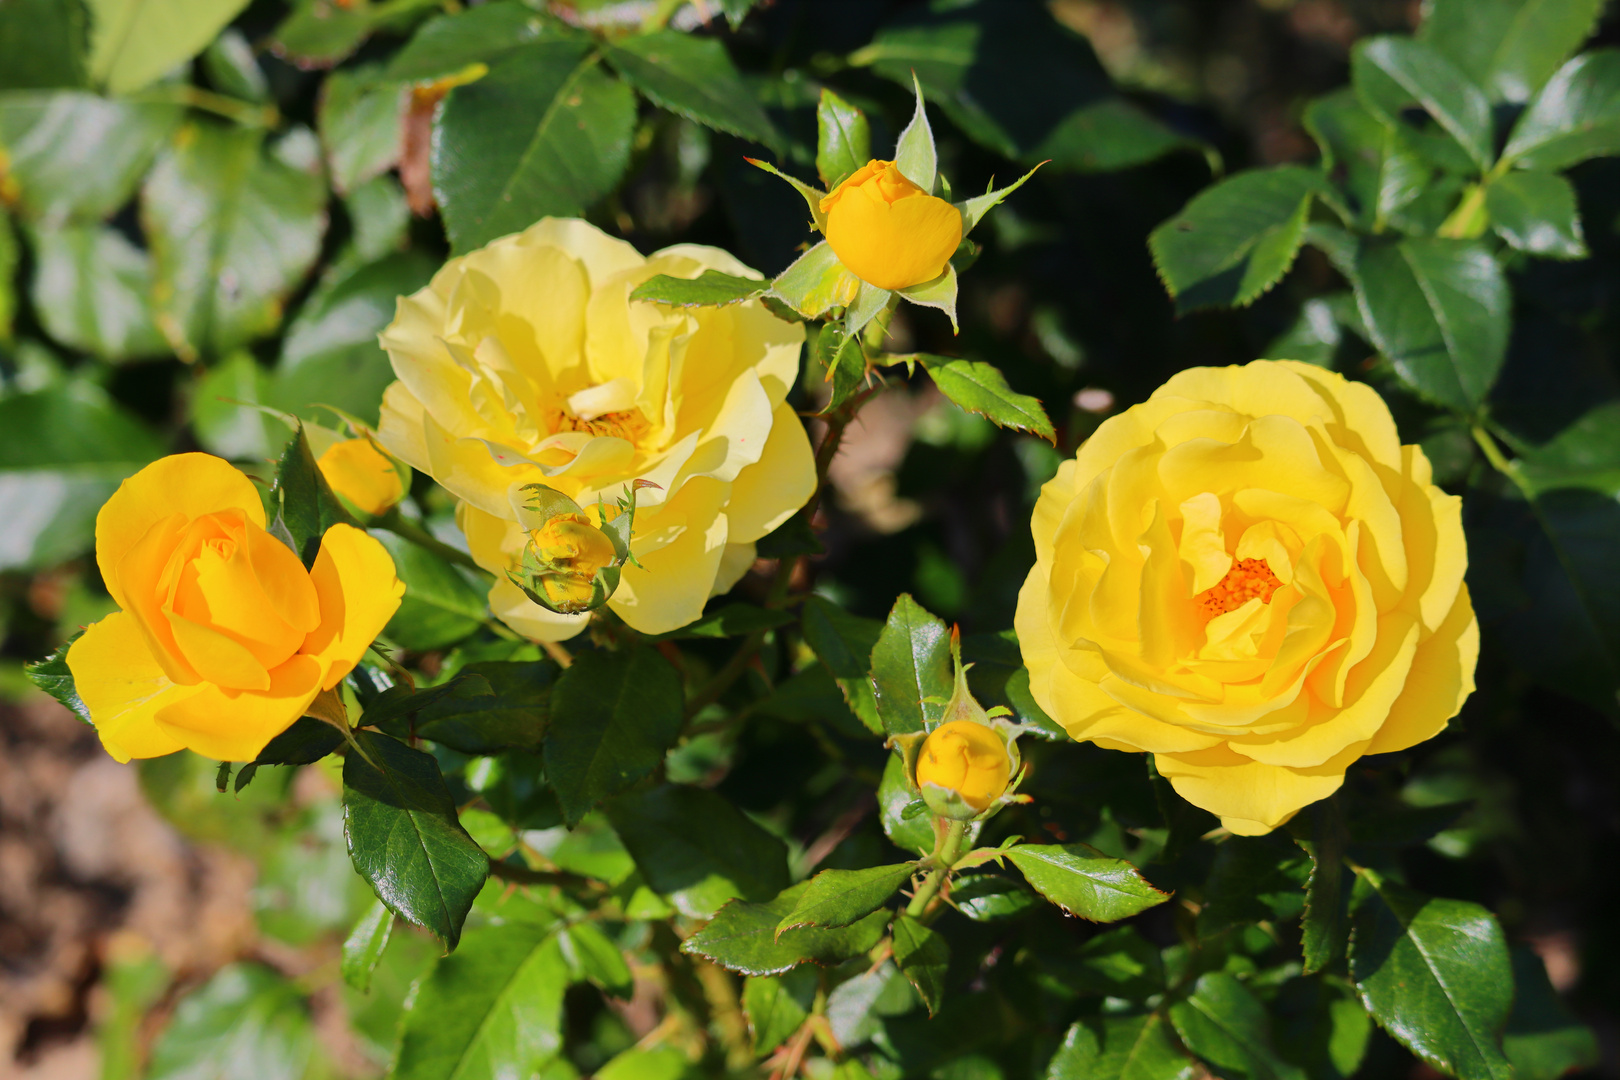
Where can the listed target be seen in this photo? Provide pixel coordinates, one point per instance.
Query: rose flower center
(1247, 579)
(627, 424)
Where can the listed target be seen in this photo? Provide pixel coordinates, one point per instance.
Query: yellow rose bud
(571, 551)
(1249, 577)
(223, 638)
(888, 231)
(362, 475)
(967, 758)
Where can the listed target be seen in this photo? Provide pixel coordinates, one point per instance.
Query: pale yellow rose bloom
(223, 638)
(1249, 577)
(526, 362)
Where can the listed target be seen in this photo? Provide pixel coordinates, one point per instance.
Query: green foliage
(911, 671)
(743, 937)
(709, 289)
(246, 1023)
(1085, 882)
(839, 897)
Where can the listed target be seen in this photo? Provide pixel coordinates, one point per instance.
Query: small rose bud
(563, 560)
(362, 476)
(888, 231)
(966, 759)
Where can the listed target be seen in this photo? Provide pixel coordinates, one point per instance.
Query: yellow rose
(1249, 577)
(362, 475)
(888, 231)
(968, 758)
(224, 638)
(526, 362)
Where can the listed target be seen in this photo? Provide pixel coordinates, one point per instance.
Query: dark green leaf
(923, 957)
(613, 715)
(844, 362)
(545, 132)
(1575, 116)
(1254, 878)
(699, 850)
(449, 43)
(1084, 882)
(1508, 47)
(133, 43)
(840, 897)
(359, 120)
(1586, 454)
(733, 620)
(692, 76)
(233, 230)
(365, 944)
(1542, 1040)
(916, 833)
(473, 722)
(1438, 309)
(1392, 73)
(320, 33)
(53, 676)
(307, 507)
(911, 663)
(1237, 239)
(245, 1023)
(987, 897)
(493, 1008)
(78, 157)
(777, 1004)
(405, 839)
(392, 708)
(844, 643)
(1381, 171)
(1120, 1048)
(1226, 1025)
(843, 139)
(441, 606)
(593, 957)
(981, 388)
(1435, 974)
(792, 538)
(742, 937)
(1536, 212)
(306, 742)
(710, 289)
(92, 289)
(1319, 1025)
(42, 44)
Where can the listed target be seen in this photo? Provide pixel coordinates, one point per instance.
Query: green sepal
(812, 196)
(914, 153)
(974, 209)
(939, 293)
(816, 283)
(869, 303)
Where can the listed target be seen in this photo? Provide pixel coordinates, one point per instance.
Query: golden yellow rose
(1249, 577)
(888, 231)
(224, 638)
(573, 551)
(968, 758)
(526, 362)
(362, 476)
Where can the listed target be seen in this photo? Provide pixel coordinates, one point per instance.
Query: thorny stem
(946, 852)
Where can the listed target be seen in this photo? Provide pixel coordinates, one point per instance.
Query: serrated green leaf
(1237, 239)
(1254, 878)
(546, 132)
(777, 1004)
(307, 507)
(843, 643)
(1226, 1025)
(843, 139)
(306, 742)
(840, 897)
(709, 289)
(53, 676)
(1083, 881)
(1508, 47)
(988, 897)
(365, 945)
(500, 705)
(1439, 310)
(1542, 1040)
(923, 956)
(982, 388)
(1574, 117)
(694, 847)
(1391, 73)
(405, 839)
(915, 833)
(1435, 974)
(613, 715)
(911, 668)
(742, 937)
(1325, 926)
(493, 1008)
(245, 1023)
(694, 77)
(1120, 1048)
(449, 44)
(593, 957)
(1382, 171)
(1536, 212)
(133, 43)
(76, 157)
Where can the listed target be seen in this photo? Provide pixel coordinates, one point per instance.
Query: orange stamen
(1247, 579)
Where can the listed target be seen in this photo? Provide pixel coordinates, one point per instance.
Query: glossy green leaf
(42, 44)
(92, 290)
(593, 957)
(840, 897)
(405, 839)
(694, 847)
(306, 742)
(513, 714)
(1225, 1024)
(75, 156)
(988, 897)
(1508, 47)
(1586, 454)
(1120, 1048)
(709, 289)
(1391, 73)
(743, 938)
(1084, 882)
(844, 642)
(448, 44)
(492, 1009)
(1542, 1040)
(1435, 974)
(1382, 172)
(53, 676)
(1536, 212)
(1574, 117)
(777, 1004)
(365, 945)
(915, 833)
(1237, 239)
(359, 119)
(547, 131)
(441, 605)
(133, 43)
(692, 76)
(911, 668)
(233, 230)
(923, 956)
(843, 139)
(245, 1023)
(982, 388)
(613, 715)
(1254, 878)
(306, 505)
(1439, 310)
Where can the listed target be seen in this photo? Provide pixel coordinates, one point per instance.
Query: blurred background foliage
(217, 210)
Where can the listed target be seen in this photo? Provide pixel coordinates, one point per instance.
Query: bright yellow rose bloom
(224, 638)
(526, 362)
(968, 758)
(888, 231)
(1249, 577)
(362, 475)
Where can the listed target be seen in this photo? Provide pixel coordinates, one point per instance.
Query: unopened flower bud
(362, 476)
(564, 560)
(966, 759)
(888, 231)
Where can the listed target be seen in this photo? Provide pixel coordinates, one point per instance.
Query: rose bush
(1249, 577)
(527, 362)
